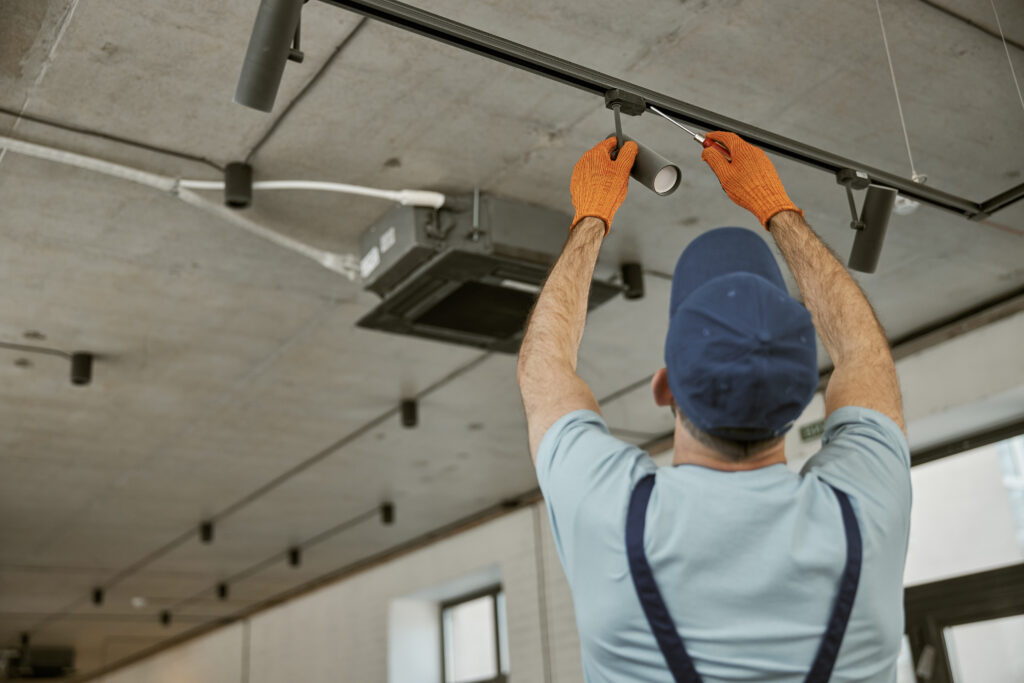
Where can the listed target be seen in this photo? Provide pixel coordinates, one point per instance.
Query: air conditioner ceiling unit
(465, 274)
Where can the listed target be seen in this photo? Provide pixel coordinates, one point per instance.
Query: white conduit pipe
(434, 200)
(344, 264)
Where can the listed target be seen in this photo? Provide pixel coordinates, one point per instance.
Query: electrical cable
(895, 88)
(305, 90)
(1007, 49)
(35, 349)
(112, 138)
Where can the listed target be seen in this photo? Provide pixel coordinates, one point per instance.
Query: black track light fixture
(873, 220)
(238, 185)
(632, 280)
(410, 413)
(295, 556)
(206, 531)
(165, 617)
(222, 591)
(387, 513)
(81, 368)
(97, 596)
(274, 41)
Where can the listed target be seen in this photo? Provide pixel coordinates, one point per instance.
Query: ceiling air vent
(464, 274)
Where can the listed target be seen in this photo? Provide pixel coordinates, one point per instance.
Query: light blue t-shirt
(748, 563)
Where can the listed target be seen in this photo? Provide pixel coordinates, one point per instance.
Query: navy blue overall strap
(671, 645)
(664, 629)
(828, 650)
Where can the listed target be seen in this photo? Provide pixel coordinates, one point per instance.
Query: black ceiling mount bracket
(520, 56)
(628, 103)
(295, 53)
(622, 102)
(853, 180)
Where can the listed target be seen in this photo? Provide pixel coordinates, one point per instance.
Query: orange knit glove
(599, 184)
(749, 179)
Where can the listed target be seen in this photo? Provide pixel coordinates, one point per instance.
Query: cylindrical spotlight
(81, 368)
(238, 185)
(206, 532)
(874, 217)
(97, 596)
(410, 413)
(654, 171)
(269, 46)
(222, 591)
(633, 280)
(387, 513)
(295, 556)
(165, 617)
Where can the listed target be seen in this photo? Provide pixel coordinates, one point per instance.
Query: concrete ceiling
(224, 361)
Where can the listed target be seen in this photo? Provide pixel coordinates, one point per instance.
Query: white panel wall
(339, 633)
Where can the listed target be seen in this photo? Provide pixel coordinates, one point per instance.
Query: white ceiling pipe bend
(344, 264)
(434, 200)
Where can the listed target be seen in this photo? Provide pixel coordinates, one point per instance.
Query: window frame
(930, 608)
(493, 591)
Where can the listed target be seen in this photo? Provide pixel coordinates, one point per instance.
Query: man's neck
(689, 451)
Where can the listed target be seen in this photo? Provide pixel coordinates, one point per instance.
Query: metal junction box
(465, 274)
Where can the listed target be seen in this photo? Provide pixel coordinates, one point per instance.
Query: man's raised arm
(864, 372)
(547, 357)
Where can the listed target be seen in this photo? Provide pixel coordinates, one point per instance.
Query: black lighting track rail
(520, 56)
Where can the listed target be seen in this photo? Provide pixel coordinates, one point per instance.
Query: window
(964, 600)
(986, 650)
(474, 638)
(968, 513)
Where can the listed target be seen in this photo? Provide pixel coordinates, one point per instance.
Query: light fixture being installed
(873, 220)
(650, 169)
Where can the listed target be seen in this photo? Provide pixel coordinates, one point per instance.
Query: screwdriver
(702, 139)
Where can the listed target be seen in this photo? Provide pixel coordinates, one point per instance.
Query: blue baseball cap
(740, 352)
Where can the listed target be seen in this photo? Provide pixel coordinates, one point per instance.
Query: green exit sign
(812, 431)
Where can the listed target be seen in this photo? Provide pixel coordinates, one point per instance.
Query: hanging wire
(1005, 47)
(899, 105)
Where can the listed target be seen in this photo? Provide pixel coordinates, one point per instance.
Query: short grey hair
(731, 451)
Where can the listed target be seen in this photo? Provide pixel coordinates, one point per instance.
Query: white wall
(340, 632)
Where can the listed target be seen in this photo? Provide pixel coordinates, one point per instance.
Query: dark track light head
(633, 280)
(387, 513)
(206, 532)
(295, 556)
(222, 591)
(238, 185)
(270, 46)
(410, 413)
(97, 596)
(874, 219)
(165, 617)
(81, 368)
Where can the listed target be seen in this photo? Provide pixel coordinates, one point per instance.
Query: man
(727, 566)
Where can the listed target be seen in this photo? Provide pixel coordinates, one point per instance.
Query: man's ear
(659, 386)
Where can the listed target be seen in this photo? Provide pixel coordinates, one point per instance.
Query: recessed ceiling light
(138, 602)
